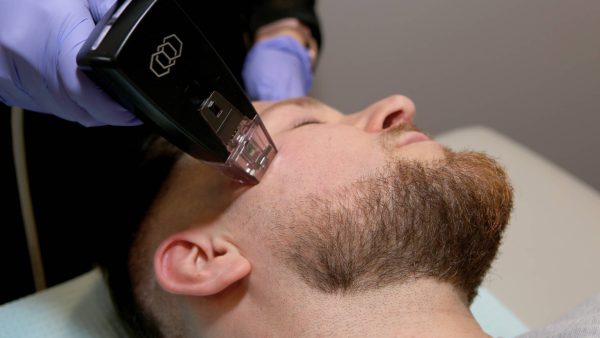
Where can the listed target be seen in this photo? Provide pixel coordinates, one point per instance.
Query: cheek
(309, 163)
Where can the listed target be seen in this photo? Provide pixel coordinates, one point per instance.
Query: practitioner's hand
(39, 41)
(277, 68)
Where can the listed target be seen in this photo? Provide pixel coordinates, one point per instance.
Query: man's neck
(421, 308)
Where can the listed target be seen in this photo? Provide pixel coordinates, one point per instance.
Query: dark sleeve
(267, 11)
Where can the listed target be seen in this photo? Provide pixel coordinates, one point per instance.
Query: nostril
(392, 119)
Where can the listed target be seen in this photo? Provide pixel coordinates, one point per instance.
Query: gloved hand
(39, 41)
(277, 68)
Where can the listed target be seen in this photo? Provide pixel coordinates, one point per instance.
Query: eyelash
(306, 122)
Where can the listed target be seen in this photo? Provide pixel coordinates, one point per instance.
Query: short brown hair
(133, 196)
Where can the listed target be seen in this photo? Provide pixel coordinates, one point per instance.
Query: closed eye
(302, 123)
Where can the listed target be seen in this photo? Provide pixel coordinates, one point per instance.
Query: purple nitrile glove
(39, 41)
(277, 68)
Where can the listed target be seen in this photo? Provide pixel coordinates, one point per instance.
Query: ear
(389, 112)
(193, 262)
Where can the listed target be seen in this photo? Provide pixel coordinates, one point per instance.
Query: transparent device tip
(251, 151)
(250, 147)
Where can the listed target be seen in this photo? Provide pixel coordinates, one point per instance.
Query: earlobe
(196, 264)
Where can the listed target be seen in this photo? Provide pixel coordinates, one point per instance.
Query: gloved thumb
(99, 7)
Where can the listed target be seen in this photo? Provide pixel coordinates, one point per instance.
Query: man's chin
(443, 221)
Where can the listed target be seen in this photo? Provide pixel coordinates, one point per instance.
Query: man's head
(351, 204)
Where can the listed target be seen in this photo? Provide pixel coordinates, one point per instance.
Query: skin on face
(319, 149)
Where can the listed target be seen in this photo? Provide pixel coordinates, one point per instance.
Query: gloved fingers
(69, 110)
(277, 68)
(11, 96)
(278, 86)
(20, 54)
(99, 7)
(80, 89)
(102, 107)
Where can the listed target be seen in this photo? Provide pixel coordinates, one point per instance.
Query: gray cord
(33, 245)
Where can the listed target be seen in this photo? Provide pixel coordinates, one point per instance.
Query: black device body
(157, 62)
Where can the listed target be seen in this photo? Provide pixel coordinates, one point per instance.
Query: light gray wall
(529, 69)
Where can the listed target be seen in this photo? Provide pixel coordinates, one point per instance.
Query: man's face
(364, 191)
(319, 149)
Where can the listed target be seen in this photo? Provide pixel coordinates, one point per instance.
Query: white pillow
(77, 308)
(82, 308)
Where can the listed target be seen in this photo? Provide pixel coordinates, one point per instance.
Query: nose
(387, 113)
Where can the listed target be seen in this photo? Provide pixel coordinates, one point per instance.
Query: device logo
(166, 55)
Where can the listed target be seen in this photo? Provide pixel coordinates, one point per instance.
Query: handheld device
(157, 63)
